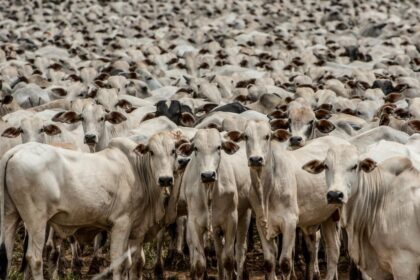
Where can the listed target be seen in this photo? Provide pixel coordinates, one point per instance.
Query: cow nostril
(296, 140)
(208, 177)
(256, 161)
(90, 138)
(183, 162)
(166, 181)
(335, 197)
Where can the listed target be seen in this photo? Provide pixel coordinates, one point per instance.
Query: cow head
(160, 152)
(93, 118)
(258, 136)
(301, 123)
(32, 129)
(342, 170)
(205, 150)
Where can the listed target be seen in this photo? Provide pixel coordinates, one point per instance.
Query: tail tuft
(3, 262)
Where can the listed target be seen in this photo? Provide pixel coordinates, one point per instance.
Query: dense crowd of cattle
(126, 117)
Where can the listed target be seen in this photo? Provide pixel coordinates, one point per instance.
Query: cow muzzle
(296, 141)
(166, 181)
(90, 139)
(335, 197)
(182, 163)
(208, 177)
(255, 161)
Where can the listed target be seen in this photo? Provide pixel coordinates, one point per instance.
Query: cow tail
(3, 253)
(24, 262)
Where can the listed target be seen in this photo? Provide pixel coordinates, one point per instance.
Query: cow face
(205, 150)
(258, 137)
(32, 130)
(301, 123)
(93, 118)
(342, 170)
(161, 153)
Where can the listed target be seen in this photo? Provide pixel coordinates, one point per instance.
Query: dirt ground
(178, 270)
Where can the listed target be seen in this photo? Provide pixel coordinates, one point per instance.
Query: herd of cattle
(127, 117)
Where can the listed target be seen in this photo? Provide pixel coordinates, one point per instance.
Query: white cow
(379, 204)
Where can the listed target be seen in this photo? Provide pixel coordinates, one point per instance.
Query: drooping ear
(235, 136)
(393, 97)
(51, 129)
(187, 119)
(59, 91)
(215, 126)
(325, 126)
(11, 132)
(314, 166)
(402, 113)
(322, 114)
(7, 99)
(180, 142)
(131, 109)
(277, 114)
(149, 116)
(141, 149)
(115, 117)
(414, 125)
(124, 104)
(67, 117)
(349, 111)
(279, 124)
(385, 120)
(367, 165)
(280, 135)
(326, 107)
(208, 107)
(186, 149)
(230, 147)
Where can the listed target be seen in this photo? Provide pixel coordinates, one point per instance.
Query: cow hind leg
(35, 247)
(331, 236)
(311, 244)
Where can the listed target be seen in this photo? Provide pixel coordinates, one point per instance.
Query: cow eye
(173, 151)
(267, 137)
(219, 148)
(354, 167)
(102, 119)
(151, 153)
(246, 137)
(41, 130)
(195, 149)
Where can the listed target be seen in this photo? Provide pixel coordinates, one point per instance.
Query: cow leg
(332, 247)
(289, 234)
(36, 232)
(270, 252)
(241, 242)
(311, 244)
(195, 241)
(218, 245)
(76, 263)
(119, 243)
(228, 256)
(54, 259)
(138, 261)
(97, 259)
(11, 222)
(180, 236)
(49, 245)
(159, 261)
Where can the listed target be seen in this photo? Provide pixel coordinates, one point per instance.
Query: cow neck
(152, 203)
(361, 212)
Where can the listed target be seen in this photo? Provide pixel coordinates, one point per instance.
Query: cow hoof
(159, 271)
(245, 275)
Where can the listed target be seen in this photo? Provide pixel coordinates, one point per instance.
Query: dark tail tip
(3, 261)
(24, 263)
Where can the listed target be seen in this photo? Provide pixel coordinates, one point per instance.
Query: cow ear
(384, 120)
(279, 124)
(367, 165)
(7, 99)
(149, 116)
(314, 166)
(131, 109)
(187, 119)
(414, 125)
(186, 149)
(322, 114)
(59, 91)
(235, 136)
(124, 104)
(280, 135)
(115, 117)
(67, 117)
(51, 129)
(141, 149)
(277, 114)
(180, 142)
(230, 147)
(11, 132)
(215, 126)
(326, 107)
(349, 111)
(393, 97)
(325, 126)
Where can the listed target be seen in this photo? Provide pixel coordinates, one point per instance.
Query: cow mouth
(296, 146)
(255, 164)
(208, 180)
(90, 143)
(335, 201)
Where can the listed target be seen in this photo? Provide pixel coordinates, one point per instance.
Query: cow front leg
(331, 236)
(289, 234)
(241, 242)
(120, 233)
(159, 261)
(311, 244)
(195, 241)
(270, 252)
